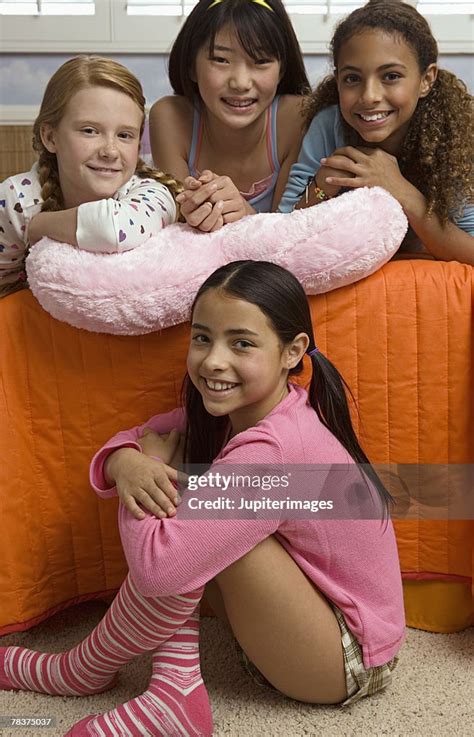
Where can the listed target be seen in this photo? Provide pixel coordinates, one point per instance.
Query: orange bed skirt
(402, 339)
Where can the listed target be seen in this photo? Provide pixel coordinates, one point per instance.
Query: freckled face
(236, 360)
(96, 144)
(379, 84)
(235, 88)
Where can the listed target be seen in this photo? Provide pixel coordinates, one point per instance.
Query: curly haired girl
(89, 186)
(388, 116)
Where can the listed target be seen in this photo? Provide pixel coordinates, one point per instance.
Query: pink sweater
(354, 563)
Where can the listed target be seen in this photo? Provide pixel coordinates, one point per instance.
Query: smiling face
(236, 360)
(235, 88)
(379, 84)
(96, 144)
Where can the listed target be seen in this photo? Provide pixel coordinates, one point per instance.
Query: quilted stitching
(401, 338)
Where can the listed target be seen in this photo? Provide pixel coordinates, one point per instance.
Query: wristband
(320, 194)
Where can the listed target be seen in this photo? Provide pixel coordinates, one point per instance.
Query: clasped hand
(366, 167)
(211, 201)
(145, 480)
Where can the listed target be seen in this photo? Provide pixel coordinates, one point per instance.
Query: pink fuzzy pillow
(152, 287)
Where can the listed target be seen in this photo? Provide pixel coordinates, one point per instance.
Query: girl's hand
(309, 198)
(34, 229)
(195, 205)
(169, 447)
(235, 206)
(38, 227)
(368, 167)
(163, 446)
(332, 190)
(143, 480)
(320, 180)
(211, 201)
(60, 225)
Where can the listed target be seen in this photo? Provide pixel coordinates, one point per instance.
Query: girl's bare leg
(213, 596)
(284, 625)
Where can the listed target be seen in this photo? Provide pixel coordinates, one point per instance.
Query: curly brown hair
(72, 76)
(437, 151)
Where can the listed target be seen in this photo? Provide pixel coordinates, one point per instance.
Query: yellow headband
(258, 2)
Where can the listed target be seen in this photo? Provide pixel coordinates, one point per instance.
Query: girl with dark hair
(315, 604)
(238, 76)
(388, 116)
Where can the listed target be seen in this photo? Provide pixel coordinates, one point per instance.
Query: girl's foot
(80, 728)
(27, 670)
(176, 703)
(131, 626)
(156, 713)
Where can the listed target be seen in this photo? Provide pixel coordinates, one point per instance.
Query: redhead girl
(89, 187)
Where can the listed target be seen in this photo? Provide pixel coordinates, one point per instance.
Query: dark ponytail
(281, 298)
(328, 396)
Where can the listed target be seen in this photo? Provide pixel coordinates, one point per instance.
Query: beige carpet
(432, 693)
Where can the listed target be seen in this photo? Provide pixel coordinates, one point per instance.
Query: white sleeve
(117, 225)
(12, 234)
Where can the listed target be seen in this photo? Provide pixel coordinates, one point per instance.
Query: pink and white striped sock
(176, 703)
(132, 625)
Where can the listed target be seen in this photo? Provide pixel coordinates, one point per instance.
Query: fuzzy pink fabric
(152, 287)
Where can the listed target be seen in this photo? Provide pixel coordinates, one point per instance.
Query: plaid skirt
(360, 681)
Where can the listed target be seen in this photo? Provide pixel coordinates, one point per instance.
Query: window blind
(297, 7)
(47, 7)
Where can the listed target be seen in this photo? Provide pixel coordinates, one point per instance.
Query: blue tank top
(260, 195)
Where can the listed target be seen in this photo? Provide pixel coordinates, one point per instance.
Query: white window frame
(112, 30)
(41, 34)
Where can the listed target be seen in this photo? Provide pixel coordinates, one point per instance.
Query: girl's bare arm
(374, 167)
(290, 133)
(170, 152)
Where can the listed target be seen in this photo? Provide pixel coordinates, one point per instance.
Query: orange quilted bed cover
(402, 339)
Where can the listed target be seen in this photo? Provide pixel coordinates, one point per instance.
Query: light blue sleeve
(466, 220)
(323, 137)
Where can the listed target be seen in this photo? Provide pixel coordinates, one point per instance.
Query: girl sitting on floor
(315, 604)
